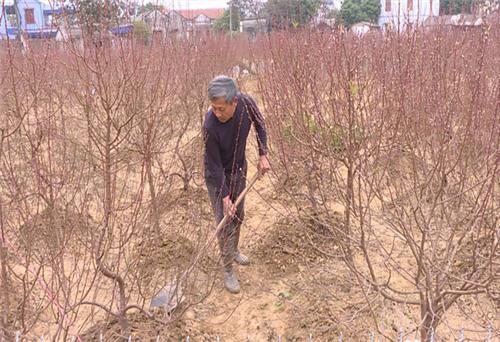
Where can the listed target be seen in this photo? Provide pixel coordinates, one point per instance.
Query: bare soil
(296, 287)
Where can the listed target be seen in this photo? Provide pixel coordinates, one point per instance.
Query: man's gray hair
(222, 86)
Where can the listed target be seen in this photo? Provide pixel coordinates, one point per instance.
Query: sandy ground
(290, 291)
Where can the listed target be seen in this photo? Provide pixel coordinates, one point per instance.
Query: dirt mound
(175, 251)
(163, 256)
(327, 301)
(15, 314)
(297, 242)
(53, 230)
(180, 205)
(145, 329)
(173, 259)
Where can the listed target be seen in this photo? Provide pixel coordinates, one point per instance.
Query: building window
(29, 14)
(387, 5)
(11, 16)
(410, 5)
(47, 20)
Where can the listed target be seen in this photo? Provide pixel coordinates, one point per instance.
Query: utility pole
(20, 36)
(230, 18)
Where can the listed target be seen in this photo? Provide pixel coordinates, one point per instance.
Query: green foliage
(285, 295)
(222, 24)
(312, 126)
(455, 6)
(333, 14)
(336, 138)
(96, 15)
(286, 131)
(353, 87)
(150, 7)
(355, 11)
(141, 30)
(249, 8)
(291, 13)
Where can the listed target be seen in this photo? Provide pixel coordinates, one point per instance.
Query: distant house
(155, 20)
(165, 23)
(176, 25)
(122, 30)
(181, 22)
(200, 20)
(397, 14)
(67, 33)
(35, 19)
(253, 26)
(462, 21)
(362, 28)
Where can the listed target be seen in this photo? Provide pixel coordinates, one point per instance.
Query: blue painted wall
(41, 23)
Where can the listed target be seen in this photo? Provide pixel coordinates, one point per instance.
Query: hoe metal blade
(171, 296)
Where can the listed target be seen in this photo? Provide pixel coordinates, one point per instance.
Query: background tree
(150, 6)
(364, 123)
(455, 6)
(249, 8)
(96, 15)
(222, 24)
(291, 13)
(355, 11)
(141, 30)
(488, 6)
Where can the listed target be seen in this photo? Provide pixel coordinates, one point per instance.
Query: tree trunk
(430, 320)
(4, 288)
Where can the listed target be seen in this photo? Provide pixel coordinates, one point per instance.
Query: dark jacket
(225, 143)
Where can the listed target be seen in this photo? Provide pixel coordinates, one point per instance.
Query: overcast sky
(171, 3)
(191, 3)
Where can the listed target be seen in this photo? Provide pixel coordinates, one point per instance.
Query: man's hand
(227, 204)
(263, 165)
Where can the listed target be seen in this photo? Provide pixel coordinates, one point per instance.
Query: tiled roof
(212, 13)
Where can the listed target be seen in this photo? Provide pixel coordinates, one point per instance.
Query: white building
(362, 28)
(399, 13)
(34, 16)
(253, 26)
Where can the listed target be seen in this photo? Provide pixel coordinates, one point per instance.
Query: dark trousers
(229, 235)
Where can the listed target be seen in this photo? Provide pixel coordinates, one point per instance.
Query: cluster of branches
(403, 130)
(94, 142)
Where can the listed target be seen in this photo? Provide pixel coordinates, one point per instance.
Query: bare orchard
(381, 212)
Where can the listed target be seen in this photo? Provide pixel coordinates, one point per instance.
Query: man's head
(222, 94)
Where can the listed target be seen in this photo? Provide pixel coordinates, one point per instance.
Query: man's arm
(260, 128)
(214, 171)
(259, 124)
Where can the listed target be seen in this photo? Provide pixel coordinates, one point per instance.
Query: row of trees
(403, 131)
(94, 143)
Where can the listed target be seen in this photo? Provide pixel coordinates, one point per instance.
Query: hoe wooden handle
(238, 201)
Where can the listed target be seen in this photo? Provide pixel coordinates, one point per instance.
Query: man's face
(224, 110)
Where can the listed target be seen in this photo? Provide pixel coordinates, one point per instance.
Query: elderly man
(226, 129)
